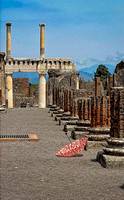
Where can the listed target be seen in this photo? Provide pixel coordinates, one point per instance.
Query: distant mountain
(86, 76)
(88, 72)
(93, 68)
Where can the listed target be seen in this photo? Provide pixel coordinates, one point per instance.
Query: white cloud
(110, 59)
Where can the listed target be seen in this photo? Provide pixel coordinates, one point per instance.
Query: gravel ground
(31, 170)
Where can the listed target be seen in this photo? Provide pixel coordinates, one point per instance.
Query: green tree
(102, 72)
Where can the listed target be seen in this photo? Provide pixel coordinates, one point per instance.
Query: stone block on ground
(79, 134)
(110, 161)
(95, 145)
(98, 137)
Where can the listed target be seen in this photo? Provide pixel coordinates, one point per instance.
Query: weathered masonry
(40, 65)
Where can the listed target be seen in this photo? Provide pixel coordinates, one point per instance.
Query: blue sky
(88, 31)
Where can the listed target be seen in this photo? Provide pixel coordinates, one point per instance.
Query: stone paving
(31, 170)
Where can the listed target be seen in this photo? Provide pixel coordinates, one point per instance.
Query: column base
(110, 161)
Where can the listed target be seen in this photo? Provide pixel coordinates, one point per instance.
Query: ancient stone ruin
(93, 109)
(98, 115)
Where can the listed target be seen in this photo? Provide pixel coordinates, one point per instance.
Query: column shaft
(9, 90)
(42, 91)
(8, 40)
(42, 40)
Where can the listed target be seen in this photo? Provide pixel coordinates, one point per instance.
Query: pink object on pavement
(73, 148)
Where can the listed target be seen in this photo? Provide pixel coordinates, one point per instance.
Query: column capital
(42, 73)
(42, 24)
(8, 73)
(8, 24)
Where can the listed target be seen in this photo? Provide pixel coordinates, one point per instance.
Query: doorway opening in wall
(25, 89)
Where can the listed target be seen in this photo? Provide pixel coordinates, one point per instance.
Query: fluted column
(8, 40)
(9, 89)
(42, 40)
(42, 91)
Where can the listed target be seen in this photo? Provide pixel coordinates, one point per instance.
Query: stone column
(9, 89)
(42, 40)
(42, 91)
(8, 40)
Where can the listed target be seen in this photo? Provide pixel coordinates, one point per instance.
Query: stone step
(54, 109)
(54, 113)
(63, 122)
(69, 127)
(114, 151)
(66, 119)
(86, 123)
(79, 128)
(110, 161)
(58, 116)
(95, 144)
(79, 134)
(98, 137)
(52, 106)
(69, 118)
(99, 131)
(3, 110)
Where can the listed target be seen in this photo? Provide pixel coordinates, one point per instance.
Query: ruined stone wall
(86, 85)
(119, 75)
(115, 80)
(56, 79)
(21, 86)
(24, 102)
(2, 78)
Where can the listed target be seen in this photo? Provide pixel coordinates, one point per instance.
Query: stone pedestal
(81, 130)
(65, 119)
(112, 155)
(97, 137)
(9, 89)
(42, 91)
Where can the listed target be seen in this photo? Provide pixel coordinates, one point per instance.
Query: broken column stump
(100, 123)
(112, 155)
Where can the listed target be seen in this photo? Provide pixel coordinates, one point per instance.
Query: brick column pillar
(81, 109)
(117, 112)
(71, 102)
(98, 113)
(42, 40)
(85, 109)
(8, 40)
(75, 108)
(93, 112)
(66, 100)
(89, 109)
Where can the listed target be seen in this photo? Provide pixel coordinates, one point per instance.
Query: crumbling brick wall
(21, 86)
(86, 85)
(56, 79)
